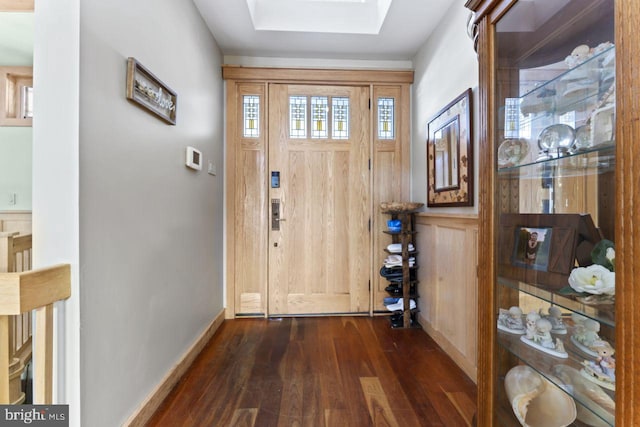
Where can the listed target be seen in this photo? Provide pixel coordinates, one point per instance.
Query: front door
(319, 200)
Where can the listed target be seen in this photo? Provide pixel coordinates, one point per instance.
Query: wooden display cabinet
(558, 137)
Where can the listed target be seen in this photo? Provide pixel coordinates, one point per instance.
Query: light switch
(212, 169)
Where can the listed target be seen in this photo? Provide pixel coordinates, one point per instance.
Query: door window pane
(386, 115)
(340, 118)
(298, 116)
(251, 110)
(319, 113)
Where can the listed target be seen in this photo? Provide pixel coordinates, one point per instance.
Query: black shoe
(397, 320)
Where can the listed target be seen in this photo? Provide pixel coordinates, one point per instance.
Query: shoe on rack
(396, 248)
(399, 306)
(394, 291)
(397, 320)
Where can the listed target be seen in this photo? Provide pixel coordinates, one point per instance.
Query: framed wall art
(147, 91)
(450, 155)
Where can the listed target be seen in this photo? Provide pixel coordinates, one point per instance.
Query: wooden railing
(21, 293)
(15, 257)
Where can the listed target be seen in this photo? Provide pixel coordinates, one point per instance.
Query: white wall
(55, 178)
(15, 167)
(445, 66)
(150, 228)
(113, 197)
(16, 49)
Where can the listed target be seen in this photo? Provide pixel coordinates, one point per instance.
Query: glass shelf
(595, 160)
(576, 89)
(545, 364)
(583, 105)
(604, 313)
(592, 67)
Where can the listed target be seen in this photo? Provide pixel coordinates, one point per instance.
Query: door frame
(379, 81)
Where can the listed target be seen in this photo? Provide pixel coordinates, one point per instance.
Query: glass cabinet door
(555, 175)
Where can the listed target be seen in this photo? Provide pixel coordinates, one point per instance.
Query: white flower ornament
(594, 279)
(611, 256)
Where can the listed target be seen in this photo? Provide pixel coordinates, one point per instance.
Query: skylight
(320, 16)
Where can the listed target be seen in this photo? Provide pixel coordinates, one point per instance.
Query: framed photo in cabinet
(543, 248)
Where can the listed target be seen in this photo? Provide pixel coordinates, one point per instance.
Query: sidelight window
(251, 110)
(386, 113)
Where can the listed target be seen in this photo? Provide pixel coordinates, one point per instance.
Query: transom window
(298, 116)
(319, 110)
(340, 118)
(328, 116)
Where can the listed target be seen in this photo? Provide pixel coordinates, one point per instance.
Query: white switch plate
(212, 169)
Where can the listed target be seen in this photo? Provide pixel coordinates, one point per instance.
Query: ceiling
(335, 29)
(291, 28)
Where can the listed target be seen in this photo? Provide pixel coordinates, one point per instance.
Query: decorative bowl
(556, 138)
(512, 151)
(399, 207)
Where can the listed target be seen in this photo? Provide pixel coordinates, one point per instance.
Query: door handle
(275, 215)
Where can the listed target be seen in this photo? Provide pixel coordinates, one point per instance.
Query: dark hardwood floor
(320, 371)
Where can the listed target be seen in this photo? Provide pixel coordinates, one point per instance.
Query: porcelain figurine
(511, 320)
(555, 317)
(578, 55)
(543, 333)
(538, 336)
(585, 334)
(532, 318)
(602, 371)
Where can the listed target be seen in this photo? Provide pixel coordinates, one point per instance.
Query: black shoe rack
(403, 281)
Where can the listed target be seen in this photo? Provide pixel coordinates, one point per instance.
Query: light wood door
(319, 258)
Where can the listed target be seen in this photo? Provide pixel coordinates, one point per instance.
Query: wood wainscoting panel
(448, 259)
(19, 221)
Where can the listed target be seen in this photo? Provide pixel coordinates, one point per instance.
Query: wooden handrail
(22, 292)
